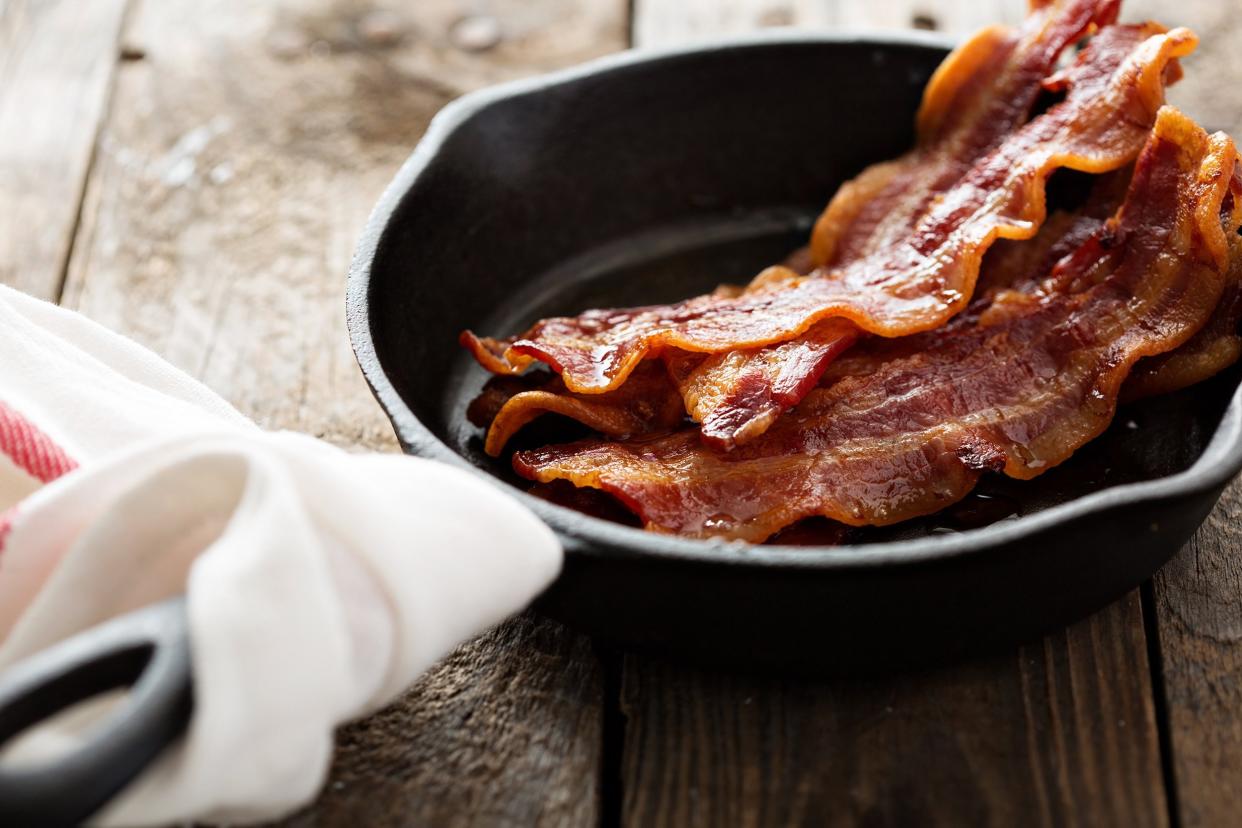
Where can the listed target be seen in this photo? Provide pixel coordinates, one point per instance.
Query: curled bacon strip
(910, 432)
(1213, 349)
(647, 403)
(981, 93)
(1114, 90)
(736, 396)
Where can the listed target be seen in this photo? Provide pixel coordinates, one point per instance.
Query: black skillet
(647, 178)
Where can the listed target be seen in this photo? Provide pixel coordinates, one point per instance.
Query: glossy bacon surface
(981, 93)
(736, 396)
(905, 431)
(1213, 349)
(648, 402)
(1113, 92)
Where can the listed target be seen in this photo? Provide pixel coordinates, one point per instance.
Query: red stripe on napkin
(6, 524)
(30, 449)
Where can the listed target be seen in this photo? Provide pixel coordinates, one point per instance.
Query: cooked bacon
(979, 95)
(911, 431)
(736, 396)
(490, 353)
(648, 402)
(1213, 349)
(1113, 92)
(1023, 265)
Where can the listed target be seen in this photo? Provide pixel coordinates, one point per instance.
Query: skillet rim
(583, 535)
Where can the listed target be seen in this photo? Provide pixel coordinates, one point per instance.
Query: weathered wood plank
(1057, 733)
(950, 16)
(242, 155)
(506, 732)
(1199, 611)
(1060, 733)
(659, 23)
(56, 66)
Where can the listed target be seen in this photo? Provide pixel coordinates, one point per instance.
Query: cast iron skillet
(648, 178)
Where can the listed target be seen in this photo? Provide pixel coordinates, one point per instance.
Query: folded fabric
(319, 583)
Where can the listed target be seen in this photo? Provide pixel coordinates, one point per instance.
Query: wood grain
(56, 65)
(506, 732)
(660, 23)
(1062, 732)
(1199, 606)
(242, 155)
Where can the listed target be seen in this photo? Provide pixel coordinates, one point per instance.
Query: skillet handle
(147, 650)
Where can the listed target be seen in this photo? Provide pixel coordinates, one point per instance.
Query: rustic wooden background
(195, 172)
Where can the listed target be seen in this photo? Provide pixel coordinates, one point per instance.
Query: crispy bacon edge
(1213, 349)
(646, 404)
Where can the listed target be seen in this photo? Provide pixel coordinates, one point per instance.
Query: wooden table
(195, 172)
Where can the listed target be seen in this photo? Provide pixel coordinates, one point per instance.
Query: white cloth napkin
(319, 583)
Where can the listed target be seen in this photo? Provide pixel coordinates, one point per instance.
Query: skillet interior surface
(641, 180)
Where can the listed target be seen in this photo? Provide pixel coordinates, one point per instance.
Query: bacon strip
(647, 403)
(981, 93)
(1018, 392)
(736, 396)
(1213, 349)
(1114, 90)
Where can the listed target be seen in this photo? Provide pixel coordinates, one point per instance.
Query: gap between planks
(53, 101)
